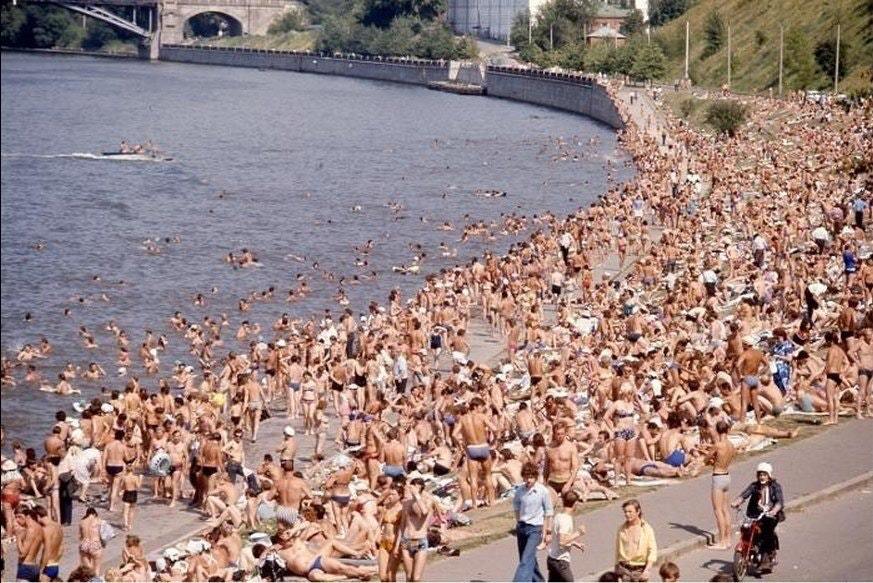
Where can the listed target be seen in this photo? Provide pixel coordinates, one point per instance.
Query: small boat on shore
(135, 157)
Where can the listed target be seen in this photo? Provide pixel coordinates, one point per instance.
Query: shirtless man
(211, 462)
(722, 453)
(291, 491)
(178, 452)
(836, 362)
(411, 538)
(254, 400)
(113, 462)
(749, 366)
(295, 380)
(471, 431)
(288, 450)
(562, 462)
(673, 444)
(318, 565)
(524, 419)
(29, 540)
(53, 544)
(864, 358)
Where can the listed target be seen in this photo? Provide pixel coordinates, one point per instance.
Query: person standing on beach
(722, 454)
(533, 508)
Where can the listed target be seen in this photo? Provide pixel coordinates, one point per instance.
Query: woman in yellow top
(635, 548)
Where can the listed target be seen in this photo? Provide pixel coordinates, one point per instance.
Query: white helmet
(766, 468)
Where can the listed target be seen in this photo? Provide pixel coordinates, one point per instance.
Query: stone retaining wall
(574, 93)
(414, 71)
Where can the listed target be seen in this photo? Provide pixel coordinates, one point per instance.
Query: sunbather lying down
(320, 564)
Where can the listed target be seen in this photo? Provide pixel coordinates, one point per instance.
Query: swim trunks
(479, 453)
(676, 459)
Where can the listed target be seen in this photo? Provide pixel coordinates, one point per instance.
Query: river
(271, 161)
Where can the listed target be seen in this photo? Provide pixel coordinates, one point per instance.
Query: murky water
(271, 161)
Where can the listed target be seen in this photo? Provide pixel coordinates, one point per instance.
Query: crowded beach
(742, 297)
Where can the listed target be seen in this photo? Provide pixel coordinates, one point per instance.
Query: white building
(489, 18)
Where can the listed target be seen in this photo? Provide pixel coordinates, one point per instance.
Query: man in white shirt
(564, 537)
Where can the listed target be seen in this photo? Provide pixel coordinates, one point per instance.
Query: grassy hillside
(808, 25)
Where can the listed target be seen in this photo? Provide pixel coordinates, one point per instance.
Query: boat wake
(90, 156)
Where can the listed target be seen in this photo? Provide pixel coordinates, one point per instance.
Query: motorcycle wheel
(741, 566)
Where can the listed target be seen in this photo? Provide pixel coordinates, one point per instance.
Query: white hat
(8, 466)
(172, 554)
(259, 537)
(197, 545)
(106, 408)
(656, 421)
(281, 343)
(766, 468)
(716, 402)
(289, 431)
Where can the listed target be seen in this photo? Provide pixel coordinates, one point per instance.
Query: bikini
(627, 433)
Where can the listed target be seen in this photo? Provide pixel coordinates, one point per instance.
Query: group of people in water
(743, 292)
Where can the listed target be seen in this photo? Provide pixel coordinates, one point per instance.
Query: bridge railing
(577, 78)
(409, 61)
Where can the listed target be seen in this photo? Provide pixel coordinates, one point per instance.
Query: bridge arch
(213, 23)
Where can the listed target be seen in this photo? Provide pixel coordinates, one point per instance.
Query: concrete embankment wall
(414, 71)
(576, 93)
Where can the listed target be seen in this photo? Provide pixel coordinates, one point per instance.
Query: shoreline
(71, 53)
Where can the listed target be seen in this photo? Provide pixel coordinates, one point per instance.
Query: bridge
(163, 21)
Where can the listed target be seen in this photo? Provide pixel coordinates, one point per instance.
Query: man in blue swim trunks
(29, 541)
(319, 565)
(472, 430)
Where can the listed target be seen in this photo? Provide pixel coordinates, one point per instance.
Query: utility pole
(687, 46)
(529, 25)
(729, 57)
(781, 42)
(837, 63)
(552, 36)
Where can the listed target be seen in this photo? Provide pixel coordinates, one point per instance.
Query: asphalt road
(831, 541)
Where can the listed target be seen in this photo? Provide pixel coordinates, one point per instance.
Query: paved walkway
(680, 511)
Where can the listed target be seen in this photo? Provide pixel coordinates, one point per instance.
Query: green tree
(726, 116)
(801, 71)
(293, 20)
(826, 57)
(51, 27)
(382, 13)
(714, 34)
(12, 23)
(98, 35)
(633, 23)
(663, 11)
(648, 62)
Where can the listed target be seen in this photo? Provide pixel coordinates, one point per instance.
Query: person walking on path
(635, 548)
(533, 515)
(564, 537)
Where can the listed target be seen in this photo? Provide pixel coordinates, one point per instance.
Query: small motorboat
(136, 157)
(489, 193)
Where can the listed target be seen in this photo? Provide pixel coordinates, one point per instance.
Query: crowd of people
(743, 293)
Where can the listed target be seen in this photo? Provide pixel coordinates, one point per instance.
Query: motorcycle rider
(765, 496)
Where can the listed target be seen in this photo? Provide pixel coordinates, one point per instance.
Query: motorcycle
(747, 553)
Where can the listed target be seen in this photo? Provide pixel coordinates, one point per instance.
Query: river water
(266, 160)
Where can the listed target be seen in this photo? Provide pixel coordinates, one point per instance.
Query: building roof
(605, 32)
(610, 11)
